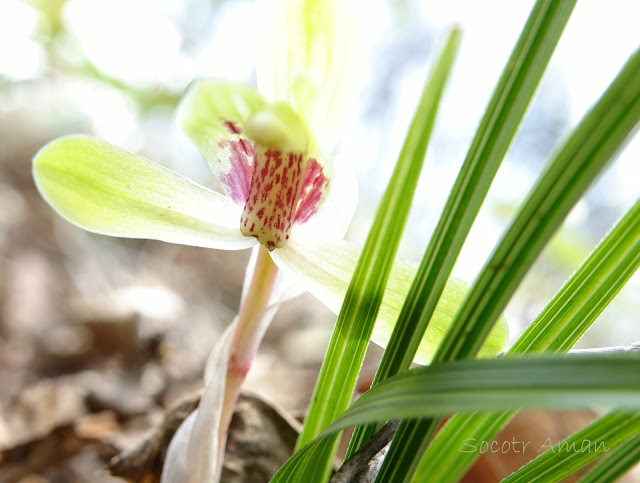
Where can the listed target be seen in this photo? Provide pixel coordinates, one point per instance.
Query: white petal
(326, 267)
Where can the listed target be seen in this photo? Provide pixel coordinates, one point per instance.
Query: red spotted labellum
(272, 174)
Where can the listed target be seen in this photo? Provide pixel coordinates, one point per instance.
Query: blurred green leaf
(562, 460)
(616, 463)
(565, 319)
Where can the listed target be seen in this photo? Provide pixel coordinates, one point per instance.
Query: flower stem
(248, 333)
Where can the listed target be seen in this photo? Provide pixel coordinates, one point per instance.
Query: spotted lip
(277, 188)
(269, 211)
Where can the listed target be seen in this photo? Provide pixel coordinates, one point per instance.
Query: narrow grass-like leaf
(600, 134)
(569, 314)
(355, 323)
(490, 384)
(570, 455)
(588, 292)
(486, 384)
(497, 129)
(616, 463)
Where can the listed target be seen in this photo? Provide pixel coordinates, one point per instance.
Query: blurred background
(112, 331)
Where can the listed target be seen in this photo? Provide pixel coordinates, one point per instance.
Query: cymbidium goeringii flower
(271, 151)
(257, 144)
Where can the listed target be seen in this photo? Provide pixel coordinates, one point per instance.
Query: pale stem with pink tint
(248, 334)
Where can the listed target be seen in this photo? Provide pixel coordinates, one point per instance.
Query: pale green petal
(326, 269)
(213, 114)
(307, 59)
(108, 190)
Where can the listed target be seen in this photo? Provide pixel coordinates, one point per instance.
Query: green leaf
(570, 455)
(110, 191)
(495, 134)
(569, 314)
(489, 384)
(600, 134)
(584, 155)
(588, 292)
(616, 463)
(360, 308)
(588, 381)
(326, 267)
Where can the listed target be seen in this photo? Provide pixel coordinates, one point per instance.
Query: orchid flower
(271, 151)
